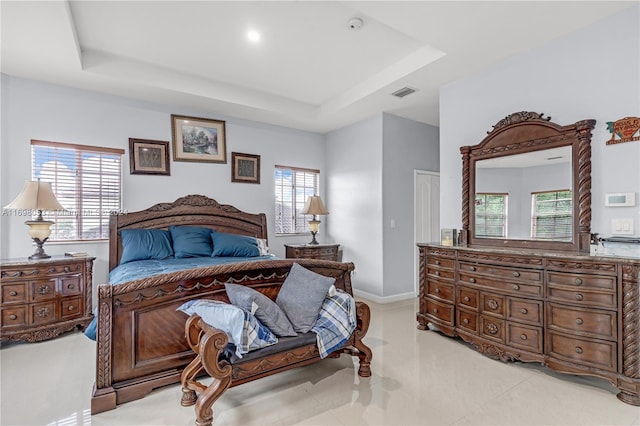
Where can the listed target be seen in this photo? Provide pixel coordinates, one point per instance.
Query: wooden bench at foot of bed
(208, 343)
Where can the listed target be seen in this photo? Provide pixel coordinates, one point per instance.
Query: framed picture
(245, 168)
(198, 139)
(148, 157)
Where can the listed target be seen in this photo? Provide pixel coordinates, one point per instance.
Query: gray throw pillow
(301, 296)
(267, 312)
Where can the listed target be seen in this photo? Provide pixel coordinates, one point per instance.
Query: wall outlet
(622, 227)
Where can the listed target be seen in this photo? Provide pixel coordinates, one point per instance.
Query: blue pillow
(243, 329)
(143, 244)
(191, 241)
(234, 245)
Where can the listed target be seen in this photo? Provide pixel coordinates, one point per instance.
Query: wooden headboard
(192, 210)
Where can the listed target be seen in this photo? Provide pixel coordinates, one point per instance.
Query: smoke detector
(354, 24)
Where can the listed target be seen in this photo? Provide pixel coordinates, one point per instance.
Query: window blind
(491, 215)
(552, 216)
(293, 185)
(87, 182)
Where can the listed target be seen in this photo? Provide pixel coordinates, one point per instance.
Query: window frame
(82, 209)
(299, 225)
(505, 215)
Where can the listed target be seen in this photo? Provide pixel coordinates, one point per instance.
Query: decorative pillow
(191, 241)
(262, 246)
(232, 245)
(143, 244)
(243, 329)
(266, 310)
(301, 296)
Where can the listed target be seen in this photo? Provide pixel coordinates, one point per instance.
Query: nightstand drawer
(43, 289)
(313, 251)
(71, 285)
(14, 293)
(43, 313)
(71, 307)
(14, 317)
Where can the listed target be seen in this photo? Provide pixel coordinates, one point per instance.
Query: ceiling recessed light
(253, 36)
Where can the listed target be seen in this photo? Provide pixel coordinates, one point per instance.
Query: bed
(140, 342)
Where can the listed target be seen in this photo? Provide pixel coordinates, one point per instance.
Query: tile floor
(419, 378)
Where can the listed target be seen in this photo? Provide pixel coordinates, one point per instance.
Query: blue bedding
(140, 269)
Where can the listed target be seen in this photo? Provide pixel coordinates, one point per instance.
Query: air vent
(405, 91)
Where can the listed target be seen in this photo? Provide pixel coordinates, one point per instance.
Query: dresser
(571, 312)
(45, 298)
(313, 251)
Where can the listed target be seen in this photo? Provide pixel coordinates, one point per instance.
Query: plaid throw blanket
(336, 322)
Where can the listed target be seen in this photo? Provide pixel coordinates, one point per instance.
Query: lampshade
(314, 206)
(35, 195)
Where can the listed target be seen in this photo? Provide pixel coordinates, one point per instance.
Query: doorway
(426, 202)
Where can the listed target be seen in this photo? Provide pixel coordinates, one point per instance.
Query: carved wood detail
(582, 266)
(631, 320)
(534, 261)
(518, 117)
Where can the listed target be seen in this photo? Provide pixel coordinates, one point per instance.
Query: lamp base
(39, 253)
(313, 241)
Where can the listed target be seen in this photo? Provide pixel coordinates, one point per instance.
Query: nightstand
(312, 251)
(41, 299)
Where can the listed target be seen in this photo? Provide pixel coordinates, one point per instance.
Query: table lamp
(37, 196)
(314, 206)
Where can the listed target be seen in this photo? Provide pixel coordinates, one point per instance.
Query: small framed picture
(149, 157)
(198, 139)
(245, 168)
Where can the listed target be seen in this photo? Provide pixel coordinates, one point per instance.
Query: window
(491, 215)
(293, 186)
(552, 215)
(86, 181)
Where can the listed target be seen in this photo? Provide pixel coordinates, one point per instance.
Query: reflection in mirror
(525, 196)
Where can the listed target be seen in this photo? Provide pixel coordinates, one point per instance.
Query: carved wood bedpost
(104, 396)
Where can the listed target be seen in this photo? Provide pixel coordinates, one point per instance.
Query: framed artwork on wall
(149, 157)
(245, 168)
(198, 139)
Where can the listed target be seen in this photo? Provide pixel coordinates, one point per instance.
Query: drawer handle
(579, 296)
(579, 321)
(523, 337)
(578, 350)
(578, 281)
(71, 286)
(12, 317)
(472, 280)
(472, 268)
(44, 289)
(493, 304)
(71, 307)
(491, 328)
(466, 320)
(437, 290)
(524, 311)
(466, 299)
(43, 312)
(13, 293)
(437, 273)
(516, 274)
(516, 287)
(437, 262)
(435, 310)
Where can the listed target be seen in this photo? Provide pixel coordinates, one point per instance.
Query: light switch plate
(622, 227)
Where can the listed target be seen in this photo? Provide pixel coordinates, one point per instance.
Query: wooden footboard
(141, 341)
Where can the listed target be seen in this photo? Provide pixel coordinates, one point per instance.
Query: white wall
(407, 145)
(35, 110)
(354, 187)
(593, 73)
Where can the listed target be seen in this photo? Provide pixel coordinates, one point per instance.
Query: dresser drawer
(14, 316)
(71, 285)
(467, 320)
(42, 313)
(599, 354)
(526, 311)
(468, 298)
(43, 289)
(498, 284)
(580, 281)
(441, 290)
(441, 274)
(492, 328)
(441, 262)
(14, 293)
(593, 323)
(504, 273)
(582, 297)
(71, 307)
(525, 337)
(441, 311)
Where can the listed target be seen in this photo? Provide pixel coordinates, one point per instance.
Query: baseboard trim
(383, 299)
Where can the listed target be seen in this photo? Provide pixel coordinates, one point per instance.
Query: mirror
(528, 185)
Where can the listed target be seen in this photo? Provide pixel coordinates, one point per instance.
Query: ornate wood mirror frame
(524, 132)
